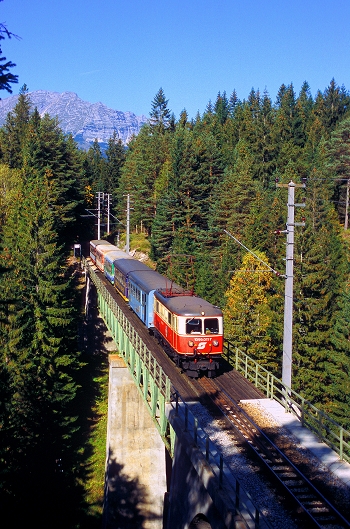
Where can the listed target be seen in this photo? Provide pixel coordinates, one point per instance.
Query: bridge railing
(327, 430)
(155, 386)
(148, 375)
(251, 516)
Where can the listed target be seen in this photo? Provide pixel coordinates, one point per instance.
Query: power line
(270, 269)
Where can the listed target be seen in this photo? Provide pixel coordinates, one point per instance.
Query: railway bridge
(163, 470)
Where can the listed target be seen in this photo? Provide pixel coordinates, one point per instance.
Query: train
(189, 328)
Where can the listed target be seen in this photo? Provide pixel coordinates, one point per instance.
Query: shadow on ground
(127, 503)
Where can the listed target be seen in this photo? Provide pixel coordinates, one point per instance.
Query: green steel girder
(148, 375)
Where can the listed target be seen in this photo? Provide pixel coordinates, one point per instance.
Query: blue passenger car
(122, 269)
(142, 286)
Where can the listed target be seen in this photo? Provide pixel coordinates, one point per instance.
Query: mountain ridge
(83, 120)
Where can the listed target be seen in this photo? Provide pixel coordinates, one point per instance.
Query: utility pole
(346, 222)
(108, 211)
(127, 249)
(100, 212)
(100, 196)
(288, 297)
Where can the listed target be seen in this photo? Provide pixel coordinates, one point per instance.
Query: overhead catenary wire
(269, 268)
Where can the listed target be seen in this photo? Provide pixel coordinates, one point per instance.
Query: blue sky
(120, 52)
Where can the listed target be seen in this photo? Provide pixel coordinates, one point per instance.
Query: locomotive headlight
(215, 343)
(190, 343)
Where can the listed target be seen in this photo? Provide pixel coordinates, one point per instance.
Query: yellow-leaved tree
(248, 315)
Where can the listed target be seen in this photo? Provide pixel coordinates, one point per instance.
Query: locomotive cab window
(211, 326)
(193, 326)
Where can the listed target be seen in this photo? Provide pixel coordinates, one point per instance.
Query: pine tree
(233, 103)
(319, 366)
(55, 157)
(8, 181)
(141, 174)
(285, 133)
(338, 150)
(14, 132)
(7, 78)
(336, 102)
(96, 167)
(160, 114)
(235, 193)
(115, 155)
(39, 355)
(221, 108)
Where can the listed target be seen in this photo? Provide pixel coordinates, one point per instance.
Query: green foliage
(39, 351)
(39, 359)
(15, 131)
(192, 181)
(6, 77)
(160, 114)
(338, 157)
(188, 182)
(115, 158)
(248, 316)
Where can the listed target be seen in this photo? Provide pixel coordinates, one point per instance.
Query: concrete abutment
(136, 459)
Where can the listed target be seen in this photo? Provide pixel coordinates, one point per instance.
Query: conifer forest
(190, 181)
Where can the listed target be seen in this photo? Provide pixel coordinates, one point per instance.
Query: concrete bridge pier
(195, 490)
(136, 459)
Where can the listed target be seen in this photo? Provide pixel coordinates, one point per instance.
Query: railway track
(310, 504)
(244, 433)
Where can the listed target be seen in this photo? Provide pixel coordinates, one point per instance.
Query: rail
(316, 420)
(244, 506)
(143, 367)
(154, 369)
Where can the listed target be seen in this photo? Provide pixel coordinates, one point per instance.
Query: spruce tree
(14, 133)
(160, 113)
(319, 366)
(39, 356)
(338, 165)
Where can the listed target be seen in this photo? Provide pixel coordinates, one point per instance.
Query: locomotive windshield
(194, 325)
(211, 325)
(205, 326)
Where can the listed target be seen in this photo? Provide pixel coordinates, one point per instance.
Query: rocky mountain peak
(85, 121)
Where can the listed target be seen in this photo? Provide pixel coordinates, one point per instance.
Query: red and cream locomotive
(191, 331)
(189, 328)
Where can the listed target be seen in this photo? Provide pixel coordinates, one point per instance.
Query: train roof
(115, 255)
(97, 242)
(149, 280)
(128, 265)
(188, 305)
(104, 248)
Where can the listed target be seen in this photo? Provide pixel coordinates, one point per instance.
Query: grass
(94, 487)
(138, 242)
